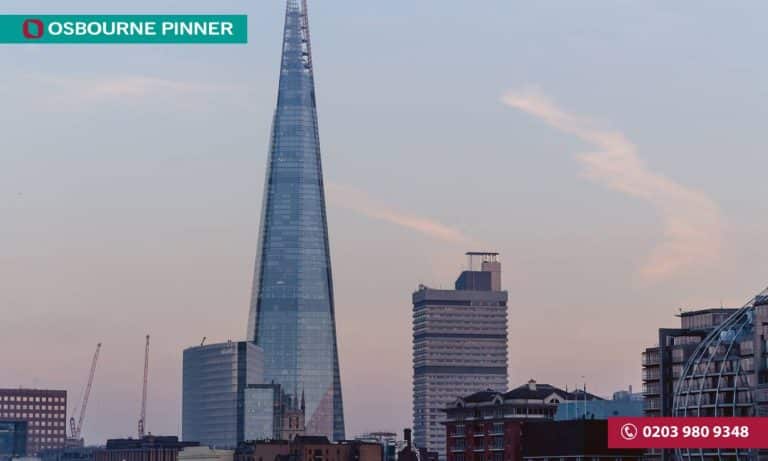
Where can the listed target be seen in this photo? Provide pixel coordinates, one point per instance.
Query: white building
(459, 346)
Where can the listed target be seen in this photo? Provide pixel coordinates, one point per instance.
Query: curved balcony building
(727, 375)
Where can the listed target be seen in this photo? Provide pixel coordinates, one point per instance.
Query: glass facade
(292, 310)
(215, 378)
(261, 412)
(13, 439)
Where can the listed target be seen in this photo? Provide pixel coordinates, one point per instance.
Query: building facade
(517, 425)
(271, 414)
(45, 412)
(727, 375)
(292, 309)
(459, 346)
(486, 425)
(13, 439)
(215, 382)
(308, 448)
(147, 448)
(663, 364)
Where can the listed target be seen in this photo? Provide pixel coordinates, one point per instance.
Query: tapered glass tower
(292, 310)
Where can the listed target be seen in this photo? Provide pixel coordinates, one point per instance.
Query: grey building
(459, 346)
(215, 383)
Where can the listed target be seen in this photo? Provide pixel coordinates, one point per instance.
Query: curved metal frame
(716, 349)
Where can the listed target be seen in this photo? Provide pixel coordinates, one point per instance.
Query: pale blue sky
(131, 180)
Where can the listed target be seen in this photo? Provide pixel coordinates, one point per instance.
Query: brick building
(489, 425)
(45, 412)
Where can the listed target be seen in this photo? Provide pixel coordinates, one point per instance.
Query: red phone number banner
(688, 432)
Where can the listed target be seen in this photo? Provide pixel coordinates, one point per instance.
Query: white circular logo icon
(629, 431)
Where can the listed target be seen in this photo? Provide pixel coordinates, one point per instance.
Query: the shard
(292, 308)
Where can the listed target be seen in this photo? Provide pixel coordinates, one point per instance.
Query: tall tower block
(292, 310)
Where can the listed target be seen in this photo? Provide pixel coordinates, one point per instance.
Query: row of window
(47, 432)
(27, 416)
(18, 398)
(32, 407)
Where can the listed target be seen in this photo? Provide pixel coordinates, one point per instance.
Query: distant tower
(292, 309)
(460, 346)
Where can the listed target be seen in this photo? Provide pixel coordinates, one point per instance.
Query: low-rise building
(148, 448)
(69, 453)
(205, 454)
(388, 441)
(308, 448)
(490, 426)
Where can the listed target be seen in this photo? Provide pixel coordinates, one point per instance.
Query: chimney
(532, 384)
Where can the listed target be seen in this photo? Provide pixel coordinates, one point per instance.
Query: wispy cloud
(120, 87)
(358, 201)
(692, 224)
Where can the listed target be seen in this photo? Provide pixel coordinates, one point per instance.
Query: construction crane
(75, 429)
(143, 416)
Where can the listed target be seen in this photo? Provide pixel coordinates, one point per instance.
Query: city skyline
(130, 204)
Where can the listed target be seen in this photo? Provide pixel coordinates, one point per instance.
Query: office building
(214, 391)
(45, 412)
(147, 448)
(292, 309)
(13, 439)
(308, 448)
(459, 345)
(727, 375)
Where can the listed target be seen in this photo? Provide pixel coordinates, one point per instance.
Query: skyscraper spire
(292, 310)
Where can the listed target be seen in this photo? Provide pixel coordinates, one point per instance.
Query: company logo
(128, 29)
(33, 29)
(629, 431)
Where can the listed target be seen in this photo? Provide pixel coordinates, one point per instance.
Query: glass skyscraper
(292, 309)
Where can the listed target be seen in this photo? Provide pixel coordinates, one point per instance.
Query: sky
(611, 151)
